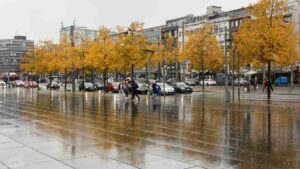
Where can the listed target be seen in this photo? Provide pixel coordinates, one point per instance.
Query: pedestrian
(266, 84)
(154, 89)
(255, 83)
(121, 86)
(123, 89)
(134, 90)
(251, 81)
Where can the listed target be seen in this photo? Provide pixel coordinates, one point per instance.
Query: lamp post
(147, 68)
(227, 96)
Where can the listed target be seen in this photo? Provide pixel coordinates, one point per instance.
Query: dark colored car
(143, 88)
(181, 87)
(220, 79)
(89, 87)
(99, 86)
(54, 85)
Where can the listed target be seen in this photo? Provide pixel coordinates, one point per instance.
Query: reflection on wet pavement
(43, 129)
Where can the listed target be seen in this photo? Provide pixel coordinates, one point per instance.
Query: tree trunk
(269, 79)
(83, 74)
(159, 72)
(263, 73)
(176, 71)
(292, 77)
(38, 83)
(104, 79)
(233, 67)
(73, 79)
(202, 65)
(50, 80)
(65, 80)
(132, 74)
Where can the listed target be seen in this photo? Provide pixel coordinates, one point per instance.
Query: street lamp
(147, 67)
(227, 94)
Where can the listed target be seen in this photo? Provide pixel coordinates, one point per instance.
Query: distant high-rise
(11, 51)
(77, 31)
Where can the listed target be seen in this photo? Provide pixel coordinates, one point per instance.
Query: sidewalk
(277, 90)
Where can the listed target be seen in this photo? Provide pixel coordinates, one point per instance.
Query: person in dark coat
(134, 90)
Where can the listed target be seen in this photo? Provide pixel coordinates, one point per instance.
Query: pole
(73, 67)
(8, 80)
(232, 82)
(239, 76)
(202, 65)
(164, 86)
(226, 69)
(183, 42)
(269, 79)
(292, 76)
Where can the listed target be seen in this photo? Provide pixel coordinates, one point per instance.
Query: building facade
(11, 52)
(76, 32)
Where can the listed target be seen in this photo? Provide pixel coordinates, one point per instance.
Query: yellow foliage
(203, 47)
(130, 47)
(168, 51)
(101, 52)
(267, 36)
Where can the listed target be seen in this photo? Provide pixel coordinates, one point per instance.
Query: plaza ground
(54, 129)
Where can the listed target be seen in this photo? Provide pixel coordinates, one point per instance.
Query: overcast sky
(41, 19)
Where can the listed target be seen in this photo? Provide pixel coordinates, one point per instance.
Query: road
(43, 129)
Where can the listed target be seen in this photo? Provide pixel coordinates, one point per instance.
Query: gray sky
(41, 19)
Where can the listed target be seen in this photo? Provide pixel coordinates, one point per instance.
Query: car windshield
(115, 83)
(162, 84)
(88, 84)
(141, 84)
(181, 84)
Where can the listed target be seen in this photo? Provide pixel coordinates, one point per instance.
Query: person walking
(255, 83)
(266, 84)
(154, 89)
(134, 90)
(123, 89)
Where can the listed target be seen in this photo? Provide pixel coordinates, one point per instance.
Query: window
(216, 29)
(236, 23)
(232, 24)
(221, 30)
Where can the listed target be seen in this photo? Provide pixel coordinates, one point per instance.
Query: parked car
(17, 83)
(113, 87)
(2, 84)
(208, 82)
(191, 82)
(242, 82)
(30, 84)
(53, 85)
(87, 86)
(281, 81)
(181, 87)
(99, 86)
(166, 89)
(220, 79)
(143, 88)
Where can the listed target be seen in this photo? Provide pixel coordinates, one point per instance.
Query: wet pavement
(49, 130)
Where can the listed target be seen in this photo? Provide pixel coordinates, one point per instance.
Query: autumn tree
(267, 37)
(168, 53)
(101, 53)
(65, 52)
(203, 51)
(130, 47)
